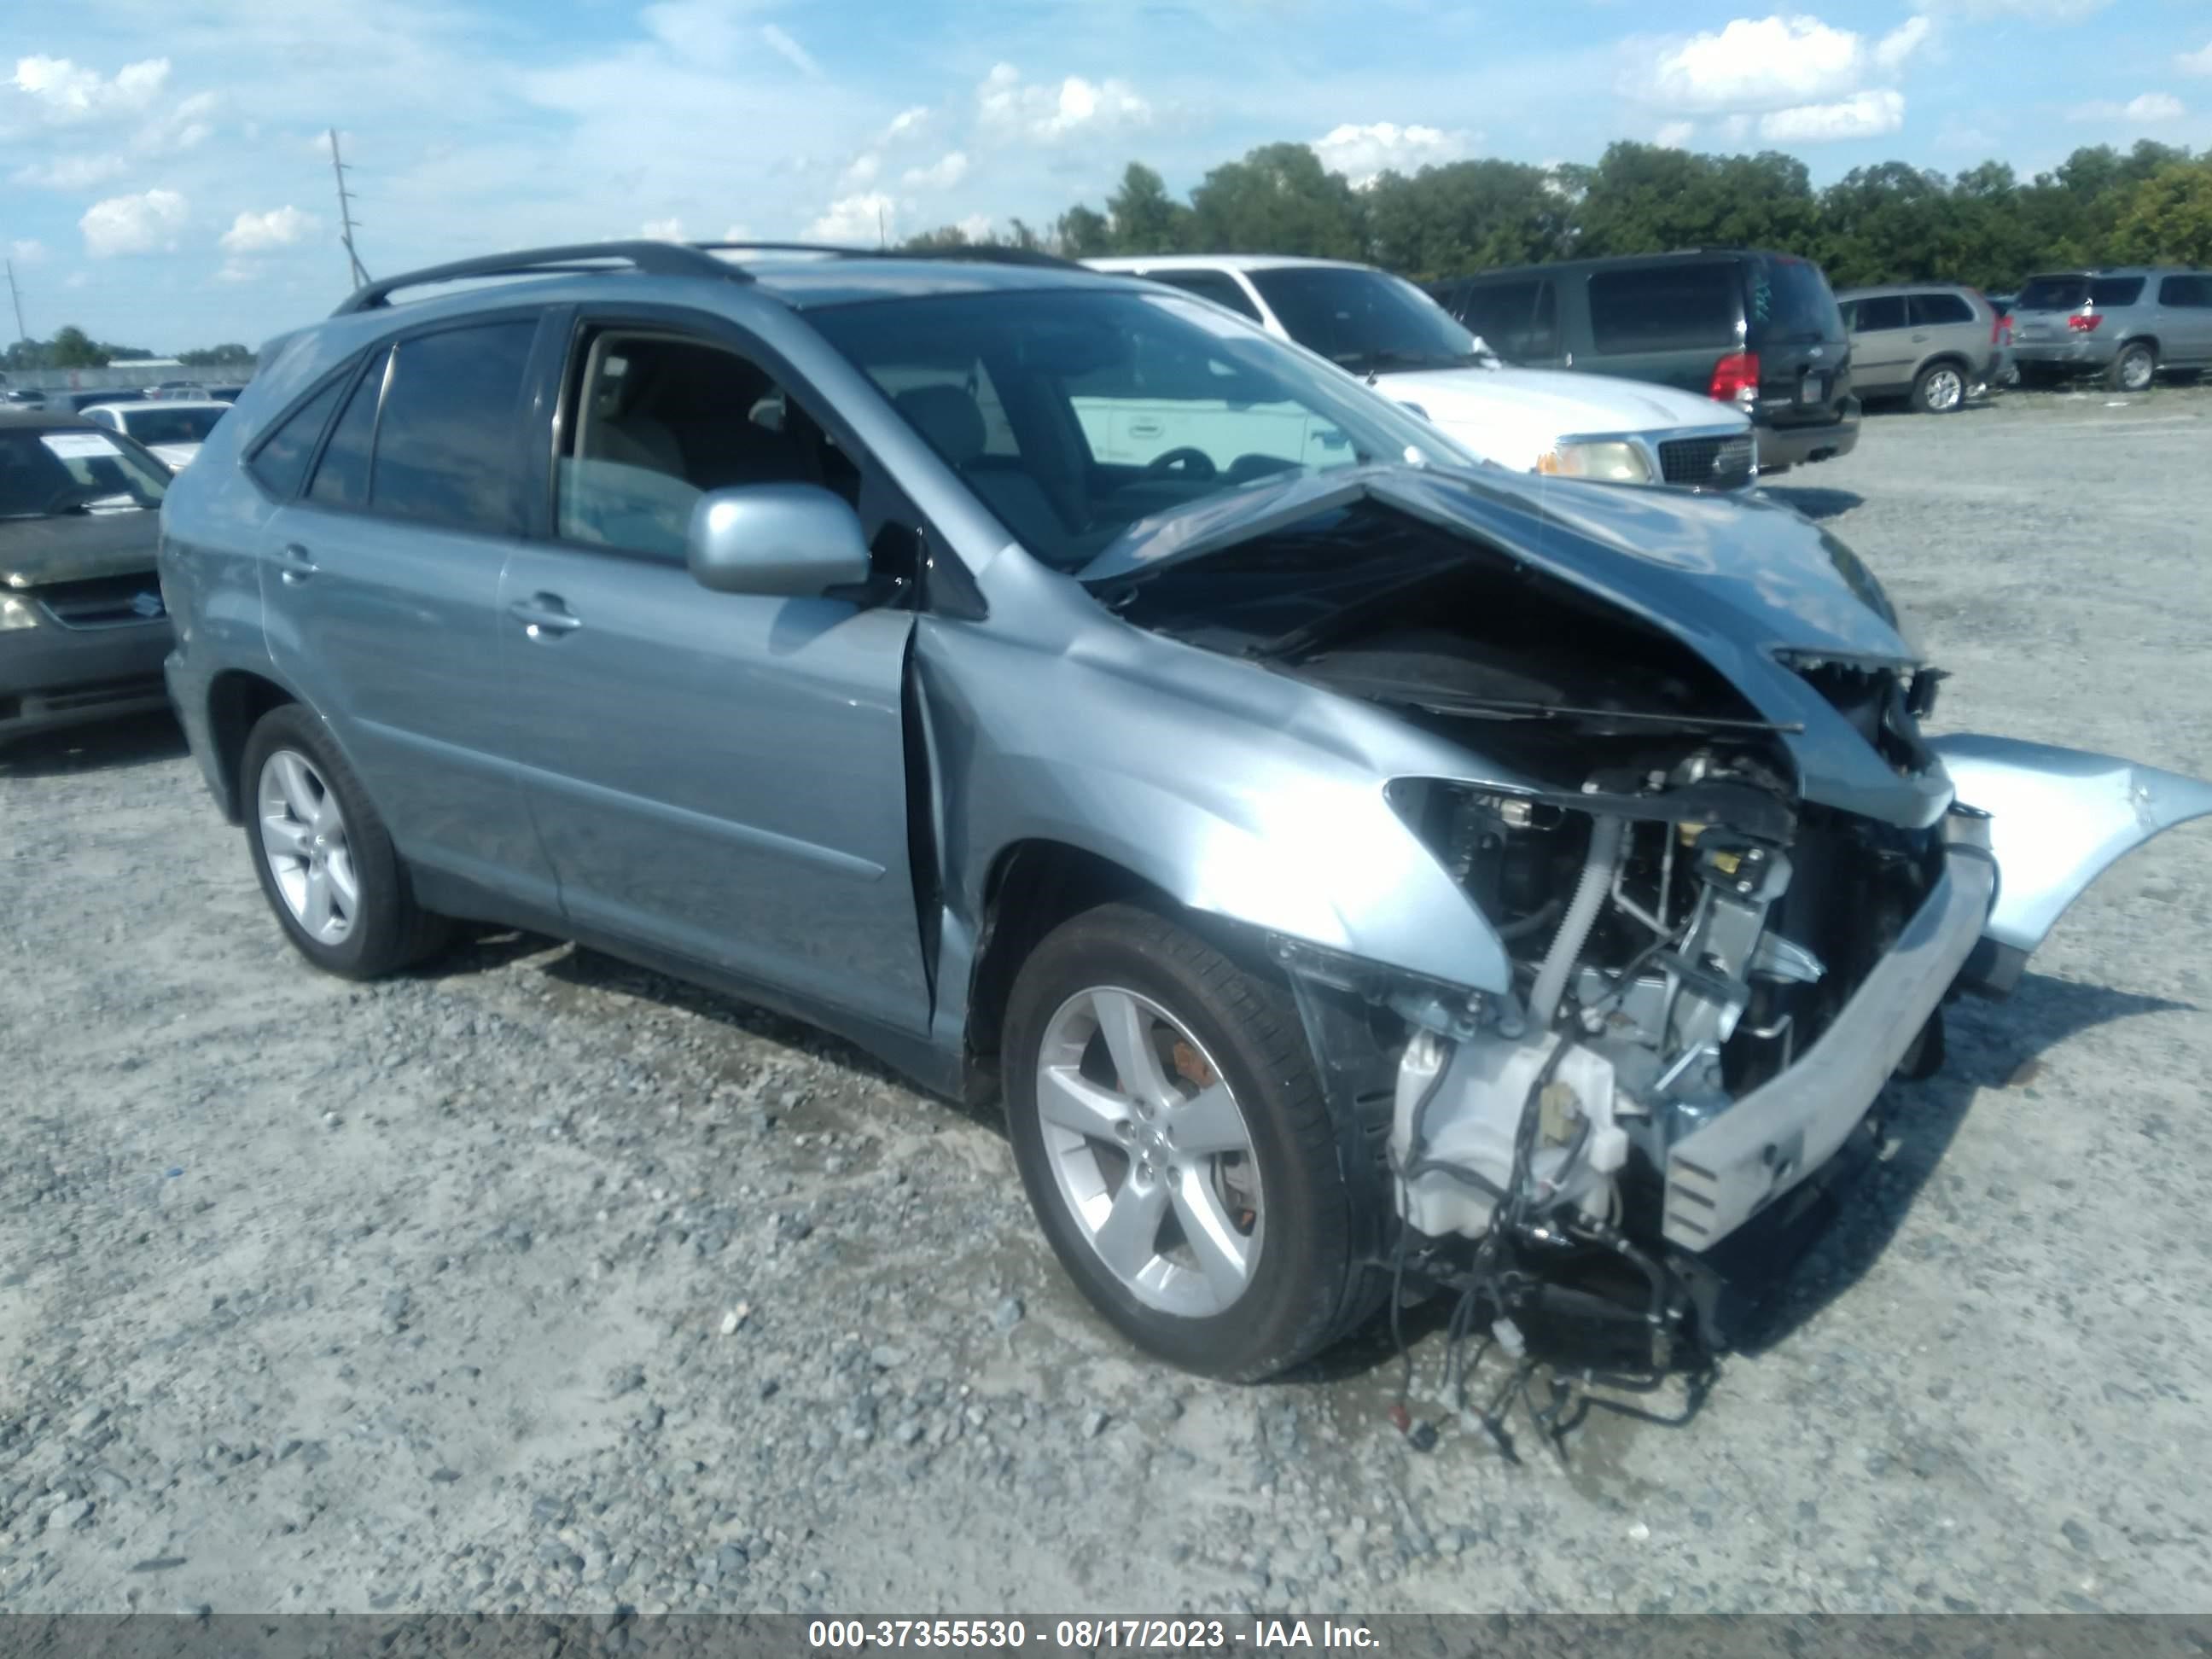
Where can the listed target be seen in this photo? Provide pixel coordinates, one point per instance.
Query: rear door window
(1879, 314)
(1664, 307)
(1218, 286)
(446, 448)
(1941, 310)
(2108, 291)
(342, 476)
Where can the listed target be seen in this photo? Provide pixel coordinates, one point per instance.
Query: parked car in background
(82, 629)
(1936, 343)
(24, 396)
(77, 402)
(165, 390)
(1352, 868)
(172, 429)
(1384, 329)
(1759, 331)
(2002, 303)
(225, 394)
(2125, 324)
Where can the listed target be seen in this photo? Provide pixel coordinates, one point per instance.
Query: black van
(1760, 331)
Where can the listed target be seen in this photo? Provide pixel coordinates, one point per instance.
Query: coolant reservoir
(1471, 1121)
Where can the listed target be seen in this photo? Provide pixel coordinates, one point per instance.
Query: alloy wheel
(1151, 1152)
(2135, 370)
(303, 837)
(1945, 390)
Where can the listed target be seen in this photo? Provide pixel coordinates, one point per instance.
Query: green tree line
(1891, 222)
(72, 348)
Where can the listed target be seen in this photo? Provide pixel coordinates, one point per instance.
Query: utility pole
(17, 294)
(345, 214)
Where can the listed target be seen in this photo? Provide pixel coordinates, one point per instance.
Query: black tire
(1305, 1290)
(389, 930)
(2138, 359)
(1940, 389)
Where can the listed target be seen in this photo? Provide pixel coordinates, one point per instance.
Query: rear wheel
(2136, 367)
(1941, 389)
(1176, 1146)
(325, 862)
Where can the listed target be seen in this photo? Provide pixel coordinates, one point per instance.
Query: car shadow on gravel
(1813, 501)
(141, 741)
(1990, 1046)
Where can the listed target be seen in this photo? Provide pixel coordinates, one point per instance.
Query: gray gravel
(538, 1282)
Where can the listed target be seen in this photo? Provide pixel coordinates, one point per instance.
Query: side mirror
(796, 541)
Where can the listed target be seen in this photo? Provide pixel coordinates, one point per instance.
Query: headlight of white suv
(1613, 462)
(17, 613)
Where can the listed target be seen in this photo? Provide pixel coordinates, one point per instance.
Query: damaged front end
(1729, 875)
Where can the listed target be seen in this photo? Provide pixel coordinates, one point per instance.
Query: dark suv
(1760, 331)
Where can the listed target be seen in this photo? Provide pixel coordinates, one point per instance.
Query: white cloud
(1770, 62)
(1361, 152)
(29, 251)
(1901, 43)
(134, 224)
(859, 219)
(943, 175)
(1868, 115)
(789, 50)
(1008, 105)
(662, 230)
(863, 170)
(69, 172)
(906, 123)
(1675, 135)
(257, 232)
(65, 91)
(2145, 109)
(978, 228)
(2196, 62)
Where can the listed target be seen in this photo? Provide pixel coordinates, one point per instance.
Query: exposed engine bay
(1683, 927)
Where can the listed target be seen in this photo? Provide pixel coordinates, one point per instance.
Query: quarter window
(1939, 310)
(2106, 292)
(2188, 293)
(1518, 320)
(342, 476)
(446, 445)
(1663, 308)
(281, 463)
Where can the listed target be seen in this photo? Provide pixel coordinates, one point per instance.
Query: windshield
(1790, 301)
(1367, 320)
(156, 425)
(1072, 414)
(46, 474)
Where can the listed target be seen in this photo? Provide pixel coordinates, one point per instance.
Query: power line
(345, 214)
(17, 294)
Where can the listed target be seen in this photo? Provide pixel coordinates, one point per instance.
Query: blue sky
(163, 179)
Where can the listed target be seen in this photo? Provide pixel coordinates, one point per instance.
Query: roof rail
(982, 252)
(653, 258)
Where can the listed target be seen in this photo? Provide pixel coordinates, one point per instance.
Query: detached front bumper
(1784, 1132)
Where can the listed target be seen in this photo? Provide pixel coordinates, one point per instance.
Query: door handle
(294, 564)
(543, 617)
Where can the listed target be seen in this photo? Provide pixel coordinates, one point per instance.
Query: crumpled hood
(1741, 581)
(72, 546)
(1513, 415)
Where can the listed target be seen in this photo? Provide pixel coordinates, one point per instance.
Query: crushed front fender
(2058, 819)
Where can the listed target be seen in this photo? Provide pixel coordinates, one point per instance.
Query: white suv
(1408, 347)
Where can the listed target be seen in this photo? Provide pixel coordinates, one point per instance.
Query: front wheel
(1176, 1146)
(1941, 389)
(325, 864)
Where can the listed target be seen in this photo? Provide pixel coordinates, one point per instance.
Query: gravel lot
(536, 1282)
